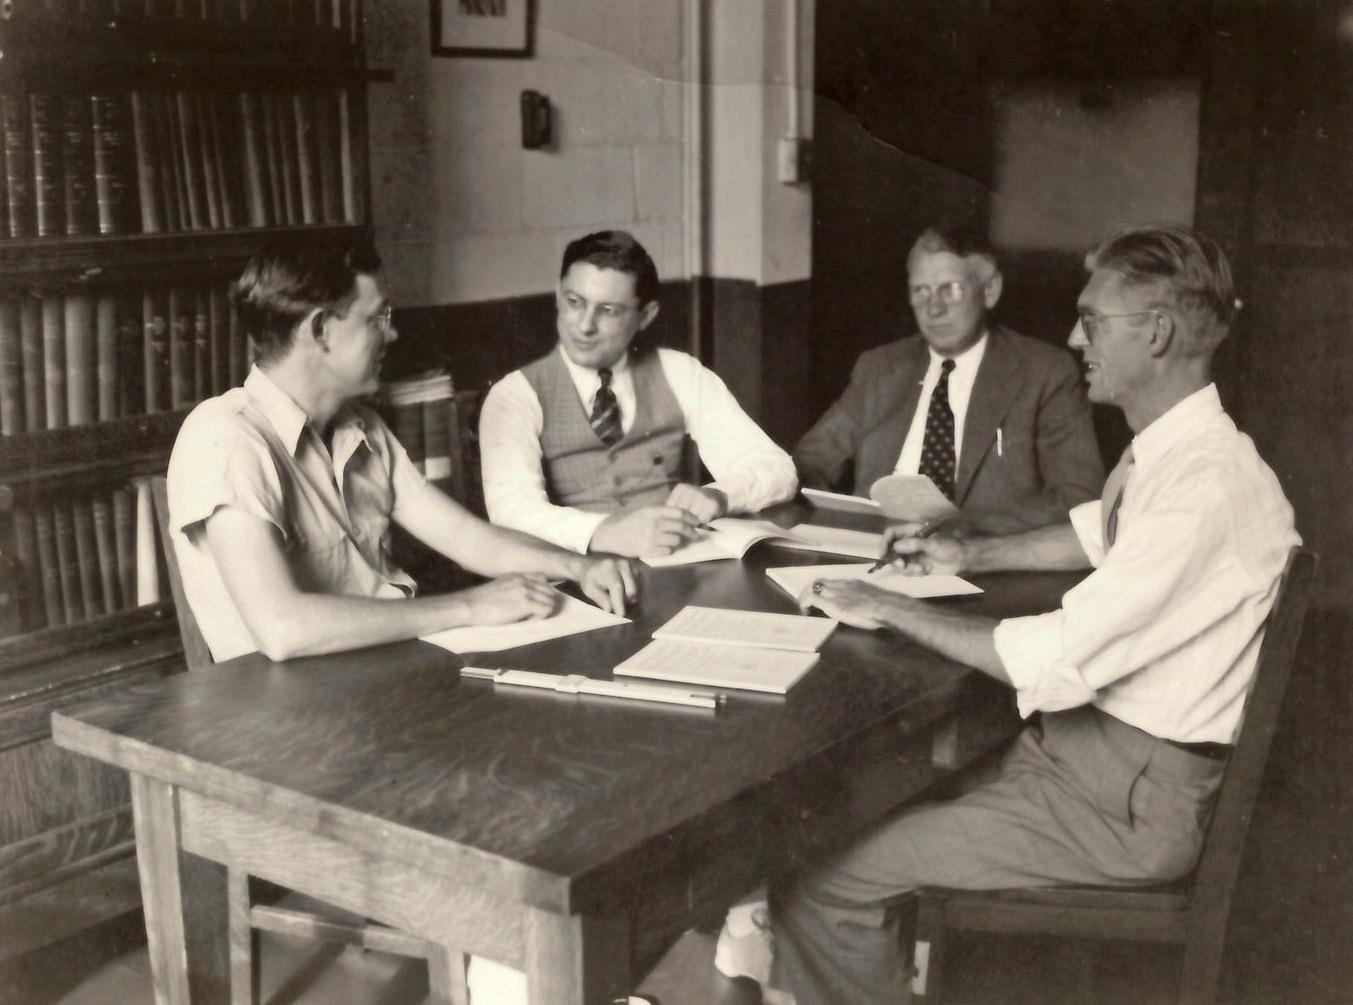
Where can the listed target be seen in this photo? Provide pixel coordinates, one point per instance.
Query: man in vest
(998, 421)
(584, 446)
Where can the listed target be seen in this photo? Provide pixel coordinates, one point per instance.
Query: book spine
(166, 149)
(114, 187)
(273, 151)
(87, 557)
(77, 164)
(147, 162)
(206, 158)
(81, 354)
(224, 148)
(190, 178)
(11, 369)
(18, 165)
(155, 357)
(330, 166)
(49, 565)
(238, 349)
(307, 167)
(131, 366)
(257, 194)
(54, 358)
(124, 538)
(31, 349)
(345, 157)
(109, 357)
(218, 321)
(33, 613)
(181, 348)
(147, 563)
(107, 551)
(201, 343)
(409, 432)
(291, 176)
(436, 439)
(68, 564)
(49, 180)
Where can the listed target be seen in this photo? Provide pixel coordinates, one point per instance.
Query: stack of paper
(570, 617)
(732, 537)
(795, 579)
(750, 650)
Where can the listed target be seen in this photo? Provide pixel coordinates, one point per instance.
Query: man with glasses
(1140, 677)
(584, 446)
(282, 491)
(999, 422)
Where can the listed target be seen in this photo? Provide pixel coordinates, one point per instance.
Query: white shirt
(1165, 633)
(253, 449)
(961, 379)
(746, 464)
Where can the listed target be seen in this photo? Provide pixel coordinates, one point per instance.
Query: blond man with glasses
(998, 421)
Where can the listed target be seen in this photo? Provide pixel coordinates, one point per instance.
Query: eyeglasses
(385, 321)
(1090, 322)
(949, 294)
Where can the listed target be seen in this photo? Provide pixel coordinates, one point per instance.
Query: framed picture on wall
(483, 28)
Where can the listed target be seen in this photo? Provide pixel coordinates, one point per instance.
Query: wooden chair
(1191, 912)
(446, 971)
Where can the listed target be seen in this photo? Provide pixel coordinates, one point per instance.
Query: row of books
(150, 161)
(75, 358)
(417, 411)
(328, 14)
(86, 557)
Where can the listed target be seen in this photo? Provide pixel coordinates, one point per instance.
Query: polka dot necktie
(937, 452)
(606, 412)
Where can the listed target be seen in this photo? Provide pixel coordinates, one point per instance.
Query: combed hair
(284, 282)
(618, 250)
(958, 237)
(1191, 266)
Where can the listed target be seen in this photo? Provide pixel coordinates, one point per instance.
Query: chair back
(1215, 875)
(195, 650)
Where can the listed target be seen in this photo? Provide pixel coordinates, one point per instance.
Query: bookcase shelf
(62, 459)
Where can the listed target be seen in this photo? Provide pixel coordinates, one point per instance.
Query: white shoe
(746, 949)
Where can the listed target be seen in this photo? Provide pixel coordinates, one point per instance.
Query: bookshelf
(147, 149)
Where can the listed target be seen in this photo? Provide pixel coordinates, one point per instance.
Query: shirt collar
(1180, 421)
(965, 362)
(288, 419)
(584, 377)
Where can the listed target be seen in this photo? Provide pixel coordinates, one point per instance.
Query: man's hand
(508, 598)
(705, 504)
(609, 582)
(855, 602)
(921, 556)
(649, 530)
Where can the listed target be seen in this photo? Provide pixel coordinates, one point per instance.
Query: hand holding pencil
(917, 552)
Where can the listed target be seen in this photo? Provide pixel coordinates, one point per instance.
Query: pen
(1000, 443)
(581, 684)
(925, 530)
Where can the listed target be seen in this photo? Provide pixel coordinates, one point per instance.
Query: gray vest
(582, 471)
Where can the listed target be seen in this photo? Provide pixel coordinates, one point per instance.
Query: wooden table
(572, 837)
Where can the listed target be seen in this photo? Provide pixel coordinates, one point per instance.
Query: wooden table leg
(575, 960)
(184, 899)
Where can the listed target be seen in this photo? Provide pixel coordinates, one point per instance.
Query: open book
(752, 650)
(794, 579)
(732, 537)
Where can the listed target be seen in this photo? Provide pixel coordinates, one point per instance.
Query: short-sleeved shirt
(253, 449)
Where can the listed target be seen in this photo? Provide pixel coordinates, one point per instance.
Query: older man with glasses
(999, 422)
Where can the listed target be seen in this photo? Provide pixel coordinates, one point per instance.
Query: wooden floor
(1291, 936)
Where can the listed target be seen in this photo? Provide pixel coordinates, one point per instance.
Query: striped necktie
(1112, 499)
(606, 412)
(937, 451)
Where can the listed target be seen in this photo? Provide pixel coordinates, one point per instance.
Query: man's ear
(647, 313)
(991, 292)
(315, 323)
(1163, 330)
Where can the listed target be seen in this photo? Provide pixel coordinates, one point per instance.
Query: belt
(1212, 751)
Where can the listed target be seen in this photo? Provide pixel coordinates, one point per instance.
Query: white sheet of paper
(835, 541)
(840, 503)
(571, 617)
(716, 665)
(794, 579)
(910, 497)
(758, 629)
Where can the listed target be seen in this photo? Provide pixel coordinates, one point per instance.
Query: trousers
(1079, 797)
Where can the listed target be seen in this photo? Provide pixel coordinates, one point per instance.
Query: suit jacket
(1031, 391)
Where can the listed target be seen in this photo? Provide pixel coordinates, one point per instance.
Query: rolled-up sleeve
(221, 465)
(746, 464)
